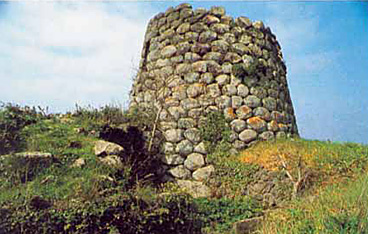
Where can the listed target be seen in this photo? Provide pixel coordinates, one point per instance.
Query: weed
(219, 214)
(215, 132)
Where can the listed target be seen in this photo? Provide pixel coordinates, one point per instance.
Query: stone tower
(197, 61)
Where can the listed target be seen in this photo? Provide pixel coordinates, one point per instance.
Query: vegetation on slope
(58, 197)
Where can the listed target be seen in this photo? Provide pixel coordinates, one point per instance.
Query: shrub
(127, 214)
(216, 132)
(220, 214)
(12, 119)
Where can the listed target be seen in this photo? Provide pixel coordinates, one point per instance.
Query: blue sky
(58, 54)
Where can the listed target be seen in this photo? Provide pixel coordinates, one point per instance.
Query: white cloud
(70, 52)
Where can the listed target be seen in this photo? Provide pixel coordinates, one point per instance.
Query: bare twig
(154, 129)
(297, 183)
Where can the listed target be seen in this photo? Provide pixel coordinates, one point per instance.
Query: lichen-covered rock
(203, 173)
(172, 159)
(239, 145)
(217, 11)
(213, 90)
(194, 161)
(243, 22)
(244, 112)
(243, 90)
(168, 51)
(223, 79)
(252, 101)
(184, 148)
(189, 103)
(248, 135)
(229, 90)
(193, 135)
(257, 124)
(200, 66)
(185, 123)
(238, 125)
(236, 102)
(191, 77)
(269, 103)
(200, 148)
(180, 172)
(229, 113)
(195, 90)
(266, 135)
(103, 148)
(176, 112)
(223, 101)
(263, 113)
(174, 135)
(79, 163)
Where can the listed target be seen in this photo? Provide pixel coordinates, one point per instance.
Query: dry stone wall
(197, 61)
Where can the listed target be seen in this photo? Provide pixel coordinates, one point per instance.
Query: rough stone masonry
(197, 61)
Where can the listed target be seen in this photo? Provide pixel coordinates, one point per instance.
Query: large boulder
(104, 148)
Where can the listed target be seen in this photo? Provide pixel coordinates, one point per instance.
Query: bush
(13, 118)
(220, 214)
(215, 132)
(126, 214)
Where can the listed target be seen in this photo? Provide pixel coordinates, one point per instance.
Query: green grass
(58, 181)
(339, 208)
(96, 197)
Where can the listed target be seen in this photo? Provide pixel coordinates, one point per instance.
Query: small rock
(172, 159)
(223, 79)
(217, 11)
(247, 226)
(213, 90)
(79, 163)
(112, 161)
(210, 19)
(186, 123)
(243, 22)
(266, 135)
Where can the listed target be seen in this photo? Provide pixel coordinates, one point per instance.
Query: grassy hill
(295, 185)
